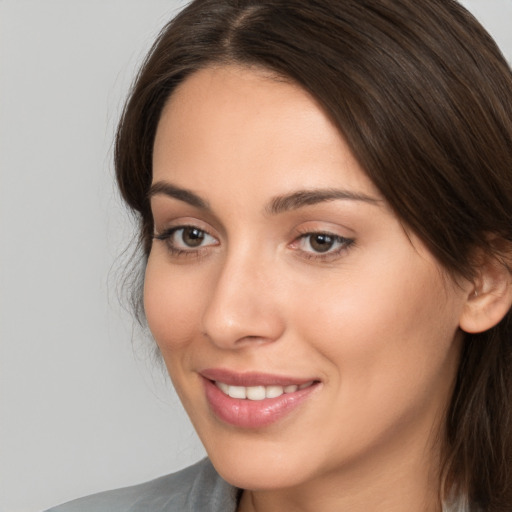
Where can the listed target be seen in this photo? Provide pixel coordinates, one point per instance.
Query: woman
(324, 191)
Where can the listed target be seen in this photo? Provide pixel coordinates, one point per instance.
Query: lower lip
(253, 413)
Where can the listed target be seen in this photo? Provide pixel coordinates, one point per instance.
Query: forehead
(237, 125)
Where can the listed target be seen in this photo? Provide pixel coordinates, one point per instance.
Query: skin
(375, 320)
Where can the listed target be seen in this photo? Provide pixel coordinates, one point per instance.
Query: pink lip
(251, 378)
(252, 414)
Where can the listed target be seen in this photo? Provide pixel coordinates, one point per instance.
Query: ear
(490, 296)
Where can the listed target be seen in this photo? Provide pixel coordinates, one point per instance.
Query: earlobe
(490, 297)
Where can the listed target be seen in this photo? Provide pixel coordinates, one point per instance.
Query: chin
(250, 461)
(259, 473)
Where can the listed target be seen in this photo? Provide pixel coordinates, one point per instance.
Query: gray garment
(198, 488)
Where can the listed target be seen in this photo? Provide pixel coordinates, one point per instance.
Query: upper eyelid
(182, 222)
(167, 213)
(300, 203)
(167, 232)
(322, 228)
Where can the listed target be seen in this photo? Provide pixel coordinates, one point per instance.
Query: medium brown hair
(423, 97)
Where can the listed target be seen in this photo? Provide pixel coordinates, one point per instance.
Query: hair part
(423, 97)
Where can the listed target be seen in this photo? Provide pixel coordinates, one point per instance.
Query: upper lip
(247, 379)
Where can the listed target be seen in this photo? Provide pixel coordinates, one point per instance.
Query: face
(306, 332)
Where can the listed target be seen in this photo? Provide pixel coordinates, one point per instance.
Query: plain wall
(82, 407)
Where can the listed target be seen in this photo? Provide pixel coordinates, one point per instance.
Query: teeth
(237, 392)
(223, 387)
(256, 393)
(273, 391)
(259, 392)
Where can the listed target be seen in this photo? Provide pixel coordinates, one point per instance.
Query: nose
(243, 306)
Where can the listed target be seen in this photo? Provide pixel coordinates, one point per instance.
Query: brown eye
(321, 245)
(321, 242)
(186, 239)
(192, 237)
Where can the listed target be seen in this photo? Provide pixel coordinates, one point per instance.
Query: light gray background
(82, 408)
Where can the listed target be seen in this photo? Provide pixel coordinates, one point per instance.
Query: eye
(190, 237)
(322, 244)
(182, 239)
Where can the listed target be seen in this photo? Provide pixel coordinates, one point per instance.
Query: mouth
(260, 392)
(254, 400)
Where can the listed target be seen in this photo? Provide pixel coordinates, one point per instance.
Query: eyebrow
(303, 198)
(182, 194)
(277, 205)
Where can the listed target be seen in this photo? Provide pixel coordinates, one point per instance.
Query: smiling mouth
(259, 392)
(254, 400)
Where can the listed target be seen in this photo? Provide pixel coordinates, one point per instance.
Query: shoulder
(196, 488)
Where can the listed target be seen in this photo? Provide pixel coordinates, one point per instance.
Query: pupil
(321, 243)
(193, 237)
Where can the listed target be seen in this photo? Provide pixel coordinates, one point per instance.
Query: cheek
(387, 344)
(390, 327)
(171, 304)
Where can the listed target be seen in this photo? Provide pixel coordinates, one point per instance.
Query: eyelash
(166, 236)
(329, 255)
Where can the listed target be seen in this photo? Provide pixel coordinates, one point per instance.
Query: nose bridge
(243, 305)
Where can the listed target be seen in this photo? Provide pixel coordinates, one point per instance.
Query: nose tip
(242, 309)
